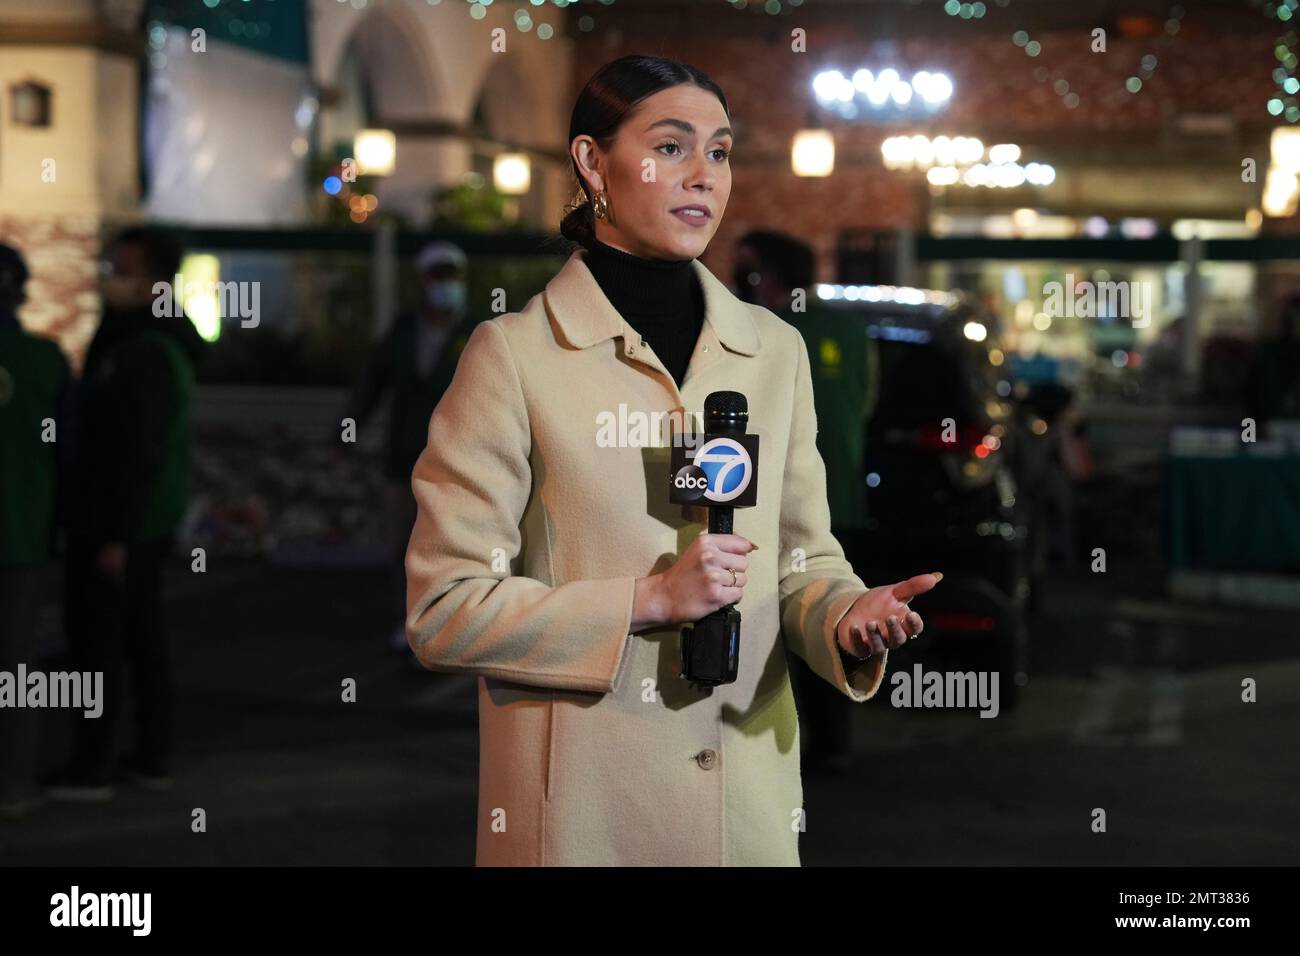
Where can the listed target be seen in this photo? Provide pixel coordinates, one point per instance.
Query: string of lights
(1288, 85)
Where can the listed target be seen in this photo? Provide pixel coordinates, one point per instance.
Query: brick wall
(62, 253)
(1002, 94)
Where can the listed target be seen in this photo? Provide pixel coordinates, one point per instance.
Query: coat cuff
(624, 588)
(819, 609)
(865, 681)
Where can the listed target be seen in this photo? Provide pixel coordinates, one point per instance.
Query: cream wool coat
(521, 569)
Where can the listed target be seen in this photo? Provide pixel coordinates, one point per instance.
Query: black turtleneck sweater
(664, 302)
(661, 299)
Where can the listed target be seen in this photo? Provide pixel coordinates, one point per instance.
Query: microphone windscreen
(724, 411)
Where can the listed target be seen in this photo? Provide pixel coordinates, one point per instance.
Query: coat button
(707, 759)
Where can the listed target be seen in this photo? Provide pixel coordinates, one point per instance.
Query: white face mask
(447, 295)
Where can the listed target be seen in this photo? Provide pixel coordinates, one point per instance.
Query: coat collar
(585, 316)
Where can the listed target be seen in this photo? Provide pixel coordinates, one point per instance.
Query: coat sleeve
(472, 484)
(818, 585)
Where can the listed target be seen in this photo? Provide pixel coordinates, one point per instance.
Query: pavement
(1133, 705)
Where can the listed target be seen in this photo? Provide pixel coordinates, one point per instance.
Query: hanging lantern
(375, 151)
(511, 173)
(812, 153)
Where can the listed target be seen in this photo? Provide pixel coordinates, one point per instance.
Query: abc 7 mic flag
(723, 470)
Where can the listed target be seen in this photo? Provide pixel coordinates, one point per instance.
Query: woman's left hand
(880, 618)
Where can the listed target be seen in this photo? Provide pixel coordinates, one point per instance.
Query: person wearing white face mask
(441, 266)
(412, 366)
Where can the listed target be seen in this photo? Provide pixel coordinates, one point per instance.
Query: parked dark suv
(946, 479)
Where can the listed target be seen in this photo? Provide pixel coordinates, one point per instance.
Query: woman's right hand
(699, 583)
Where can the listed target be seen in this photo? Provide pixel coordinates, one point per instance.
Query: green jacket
(161, 512)
(135, 429)
(33, 375)
(845, 377)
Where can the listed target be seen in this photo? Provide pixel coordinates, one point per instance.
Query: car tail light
(969, 458)
(960, 621)
(966, 439)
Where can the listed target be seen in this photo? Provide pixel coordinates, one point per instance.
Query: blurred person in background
(128, 495)
(1062, 460)
(34, 390)
(769, 267)
(1275, 369)
(410, 367)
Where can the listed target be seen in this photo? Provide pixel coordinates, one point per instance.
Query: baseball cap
(439, 254)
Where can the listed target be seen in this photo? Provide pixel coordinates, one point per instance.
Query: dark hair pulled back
(604, 104)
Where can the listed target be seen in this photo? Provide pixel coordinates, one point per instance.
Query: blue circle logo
(727, 466)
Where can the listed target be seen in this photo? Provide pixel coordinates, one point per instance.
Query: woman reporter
(546, 559)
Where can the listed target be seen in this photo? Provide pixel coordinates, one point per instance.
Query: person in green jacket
(777, 271)
(129, 494)
(34, 385)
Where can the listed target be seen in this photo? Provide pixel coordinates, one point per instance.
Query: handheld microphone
(724, 474)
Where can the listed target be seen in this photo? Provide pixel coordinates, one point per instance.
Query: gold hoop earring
(600, 205)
